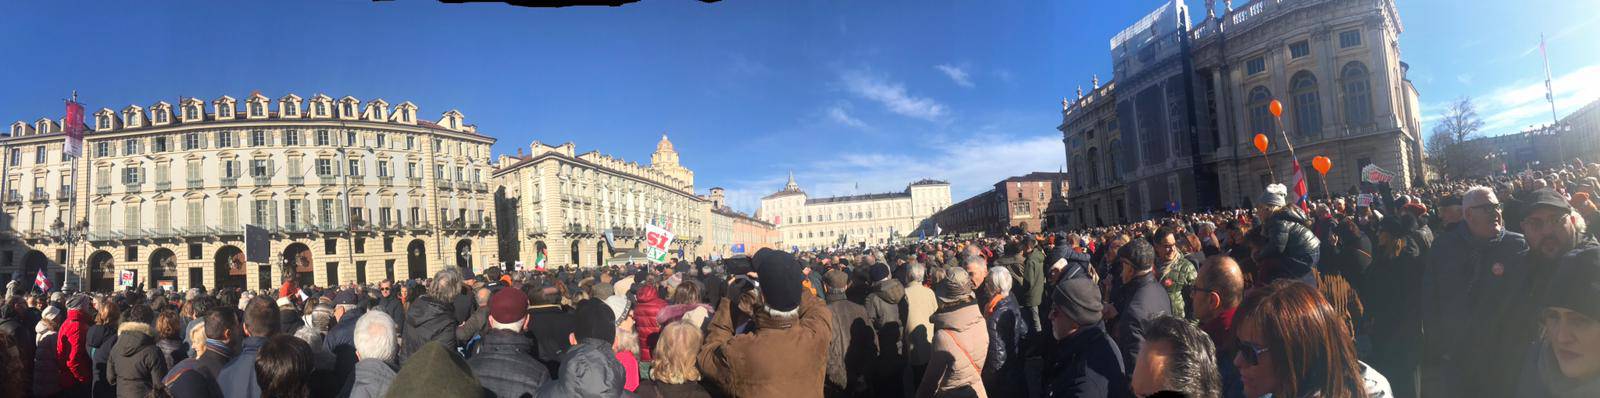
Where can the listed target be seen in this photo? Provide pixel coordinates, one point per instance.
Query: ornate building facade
(561, 204)
(734, 233)
(1183, 138)
(1022, 202)
(348, 192)
(812, 223)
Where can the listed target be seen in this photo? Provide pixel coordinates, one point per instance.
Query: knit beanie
(1276, 195)
(596, 321)
(1079, 299)
(434, 372)
(780, 279)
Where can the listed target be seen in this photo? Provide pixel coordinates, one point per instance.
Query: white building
(813, 223)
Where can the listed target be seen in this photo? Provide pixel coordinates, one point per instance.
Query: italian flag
(538, 260)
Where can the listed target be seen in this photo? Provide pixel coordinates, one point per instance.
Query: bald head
(1220, 285)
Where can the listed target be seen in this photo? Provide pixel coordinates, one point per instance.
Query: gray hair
(445, 285)
(482, 296)
(915, 272)
(1477, 193)
(375, 336)
(1192, 369)
(999, 280)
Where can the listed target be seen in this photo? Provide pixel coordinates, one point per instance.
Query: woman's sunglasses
(1251, 352)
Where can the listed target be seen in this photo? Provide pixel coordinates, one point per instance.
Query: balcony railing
(360, 225)
(230, 182)
(102, 189)
(356, 180)
(164, 185)
(195, 183)
(103, 235)
(416, 181)
(262, 181)
(164, 232)
(480, 187)
(195, 230)
(329, 180)
(294, 228)
(443, 184)
(534, 231)
(297, 181)
(40, 196)
(419, 226)
(386, 181)
(134, 233)
(330, 227)
(131, 188)
(228, 229)
(65, 194)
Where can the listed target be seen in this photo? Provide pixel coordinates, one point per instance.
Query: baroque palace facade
(805, 223)
(349, 192)
(1175, 128)
(561, 204)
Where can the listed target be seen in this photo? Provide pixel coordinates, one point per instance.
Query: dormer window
(161, 116)
(225, 112)
(350, 109)
(192, 112)
(322, 109)
(103, 122)
(258, 109)
(405, 116)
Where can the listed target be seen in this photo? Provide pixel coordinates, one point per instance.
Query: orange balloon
(1261, 143)
(1322, 164)
(1277, 108)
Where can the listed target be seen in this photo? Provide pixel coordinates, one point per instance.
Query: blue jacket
(1460, 274)
(238, 378)
(1088, 364)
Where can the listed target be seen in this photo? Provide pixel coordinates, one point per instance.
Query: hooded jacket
(428, 320)
(779, 358)
(372, 379)
(648, 305)
(505, 364)
(960, 347)
(75, 368)
(884, 306)
(589, 369)
(1291, 251)
(1031, 289)
(135, 365)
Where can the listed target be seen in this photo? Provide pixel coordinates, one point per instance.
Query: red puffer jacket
(645, 310)
(72, 359)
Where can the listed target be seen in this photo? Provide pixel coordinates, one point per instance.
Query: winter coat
(884, 307)
(392, 306)
(75, 367)
(779, 358)
(238, 377)
(1030, 289)
(372, 378)
(920, 305)
(21, 332)
(1291, 251)
(340, 341)
(1511, 303)
(100, 340)
(589, 369)
(853, 347)
(1460, 271)
(960, 347)
(1003, 373)
(427, 320)
(1088, 364)
(46, 380)
(550, 328)
(197, 377)
(505, 364)
(648, 304)
(1541, 377)
(1175, 277)
(172, 352)
(1137, 301)
(136, 364)
(473, 327)
(656, 389)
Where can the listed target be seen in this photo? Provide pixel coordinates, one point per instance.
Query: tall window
(411, 170)
(1299, 49)
(1357, 94)
(39, 154)
(355, 167)
(1307, 107)
(1260, 114)
(325, 167)
(260, 212)
(197, 213)
(1349, 38)
(131, 175)
(258, 138)
(349, 138)
(1255, 65)
(291, 137)
(326, 211)
(383, 168)
(323, 139)
(259, 168)
(295, 206)
(158, 144)
(381, 137)
(16, 156)
(224, 139)
(411, 142)
(1094, 167)
(258, 109)
(130, 146)
(101, 149)
(191, 141)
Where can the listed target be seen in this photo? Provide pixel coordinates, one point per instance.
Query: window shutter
(272, 167)
(272, 209)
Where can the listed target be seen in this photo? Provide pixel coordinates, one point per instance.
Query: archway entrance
(31, 264)
(464, 256)
(416, 260)
(163, 269)
(229, 267)
(102, 272)
(297, 259)
(600, 253)
(575, 256)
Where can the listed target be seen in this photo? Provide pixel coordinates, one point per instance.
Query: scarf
(218, 346)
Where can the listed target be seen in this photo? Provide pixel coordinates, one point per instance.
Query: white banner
(656, 240)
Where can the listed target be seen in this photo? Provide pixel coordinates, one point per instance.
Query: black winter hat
(1576, 284)
(780, 279)
(595, 320)
(878, 272)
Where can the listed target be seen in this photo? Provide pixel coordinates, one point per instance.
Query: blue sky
(844, 94)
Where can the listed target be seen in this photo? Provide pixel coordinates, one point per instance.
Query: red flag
(74, 129)
(1300, 187)
(43, 282)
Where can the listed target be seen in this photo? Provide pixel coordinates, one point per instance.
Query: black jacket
(1138, 300)
(196, 377)
(99, 340)
(505, 365)
(238, 377)
(853, 348)
(1087, 364)
(1291, 251)
(340, 341)
(589, 369)
(391, 305)
(551, 327)
(136, 364)
(1003, 368)
(427, 320)
(172, 352)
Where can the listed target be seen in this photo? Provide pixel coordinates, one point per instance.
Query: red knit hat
(508, 305)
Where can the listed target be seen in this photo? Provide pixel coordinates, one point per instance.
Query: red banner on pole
(74, 128)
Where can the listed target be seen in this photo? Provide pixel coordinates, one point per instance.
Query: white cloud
(972, 165)
(893, 96)
(838, 114)
(1464, 78)
(1513, 107)
(956, 74)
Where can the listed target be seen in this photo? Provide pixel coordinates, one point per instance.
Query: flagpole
(72, 209)
(1549, 91)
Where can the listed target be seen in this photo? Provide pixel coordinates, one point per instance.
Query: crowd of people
(1472, 288)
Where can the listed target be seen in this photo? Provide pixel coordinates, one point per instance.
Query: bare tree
(1446, 151)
